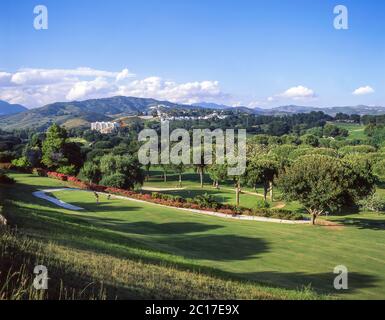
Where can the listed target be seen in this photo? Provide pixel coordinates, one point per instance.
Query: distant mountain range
(7, 108)
(291, 109)
(210, 105)
(81, 113)
(214, 106)
(361, 110)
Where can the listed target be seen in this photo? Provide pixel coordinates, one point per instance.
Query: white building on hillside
(104, 127)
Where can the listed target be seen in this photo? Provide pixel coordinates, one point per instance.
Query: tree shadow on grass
(79, 233)
(322, 283)
(74, 232)
(102, 207)
(177, 240)
(220, 247)
(151, 228)
(361, 223)
(39, 185)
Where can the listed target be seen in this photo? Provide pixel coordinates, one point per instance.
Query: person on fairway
(96, 196)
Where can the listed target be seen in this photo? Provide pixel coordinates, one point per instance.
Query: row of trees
(114, 171)
(321, 183)
(51, 150)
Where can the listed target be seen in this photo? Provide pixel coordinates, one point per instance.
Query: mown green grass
(80, 249)
(79, 274)
(286, 257)
(356, 131)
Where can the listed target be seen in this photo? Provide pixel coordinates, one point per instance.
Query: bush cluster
(374, 203)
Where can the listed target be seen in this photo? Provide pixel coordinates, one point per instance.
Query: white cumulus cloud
(124, 74)
(5, 78)
(37, 87)
(363, 90)
(298, 93)
(158, 88)
(89, 89)
(48, 76)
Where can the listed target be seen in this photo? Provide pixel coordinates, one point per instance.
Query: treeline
(258, 124)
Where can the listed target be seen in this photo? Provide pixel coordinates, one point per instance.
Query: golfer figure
(96, 196)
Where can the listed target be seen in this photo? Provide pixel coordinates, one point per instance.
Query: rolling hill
(361, 110)
(82, 113)
(7, 108)
(292, 109)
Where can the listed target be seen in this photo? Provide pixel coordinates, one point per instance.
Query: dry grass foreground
(87, 275)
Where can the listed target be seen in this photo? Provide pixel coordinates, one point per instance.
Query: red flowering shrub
(226, 211)
(57, 176)
(146, 197)
(73, 179)
(97, 188)
(78, 183)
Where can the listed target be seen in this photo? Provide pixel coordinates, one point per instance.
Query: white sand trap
(42, 195)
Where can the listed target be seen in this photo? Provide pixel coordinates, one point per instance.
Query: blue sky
(252, 52)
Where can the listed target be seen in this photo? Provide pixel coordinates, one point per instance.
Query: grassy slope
(278, 255)
(81, 251)
(356, 131)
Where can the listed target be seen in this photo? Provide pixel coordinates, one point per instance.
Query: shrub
(98, 188)
(73, 179)
(167, 197)
(277, 214)
(206, 201)
(179, 199)
(57, 176)
(156, 195)
(261, 212)
(78, 183)
(379, 170)
(116, 180)
(67, 170)
(261, 204)
(137, 187)
(374, 203)
(22, 163)
(285, 214)
(357, 149)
